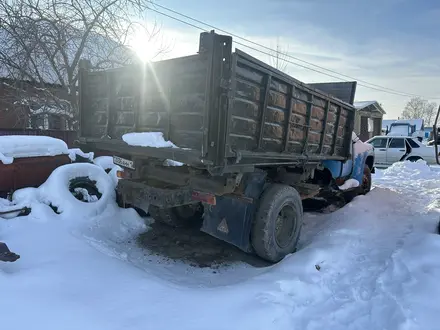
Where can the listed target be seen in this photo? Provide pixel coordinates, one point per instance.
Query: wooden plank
(264, 111)
(307, 127)
(324, 127)
(289, 117)
(335, 134)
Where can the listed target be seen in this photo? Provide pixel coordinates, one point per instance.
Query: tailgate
(166, 97)
(120, 148)
(177, 97)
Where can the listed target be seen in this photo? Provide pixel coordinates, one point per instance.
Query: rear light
(204, 197)
(123, 174)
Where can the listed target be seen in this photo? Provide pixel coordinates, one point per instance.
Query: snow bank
(4, 202)
(6, 160)
(370, 265)
(55, 192)
(78, 152)
(407, 169)
(378, 269)
(416, 180)
(148, 139)
(22, 146)
(5, 206)
(106, 162)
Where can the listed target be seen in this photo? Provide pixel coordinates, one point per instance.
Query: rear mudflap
(231, 219)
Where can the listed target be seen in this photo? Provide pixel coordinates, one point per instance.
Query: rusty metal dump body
(230, 109)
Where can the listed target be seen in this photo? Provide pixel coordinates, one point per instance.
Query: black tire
(365, 186)
(277, 202)
(414, 158)
(180, 217)
(78, 186)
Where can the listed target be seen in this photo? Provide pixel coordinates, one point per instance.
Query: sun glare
(145, 48)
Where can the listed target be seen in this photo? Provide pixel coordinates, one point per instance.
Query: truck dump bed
(227, 108)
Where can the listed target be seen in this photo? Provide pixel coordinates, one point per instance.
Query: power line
(379, 87)
(360, 82)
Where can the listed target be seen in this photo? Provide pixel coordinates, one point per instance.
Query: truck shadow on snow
(198, 249)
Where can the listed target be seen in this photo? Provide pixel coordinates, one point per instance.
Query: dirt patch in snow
(192, 246)
(198, 249)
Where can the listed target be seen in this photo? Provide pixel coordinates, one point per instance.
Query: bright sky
(392, 43)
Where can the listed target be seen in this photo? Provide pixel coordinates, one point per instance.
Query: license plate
(123, 162)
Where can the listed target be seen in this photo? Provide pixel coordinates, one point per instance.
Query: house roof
(369, 106)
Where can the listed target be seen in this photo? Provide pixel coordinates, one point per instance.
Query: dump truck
(254, 143)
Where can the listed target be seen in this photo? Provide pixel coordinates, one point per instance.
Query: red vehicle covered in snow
(27, 161)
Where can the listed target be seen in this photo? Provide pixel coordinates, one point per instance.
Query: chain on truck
(255, 144)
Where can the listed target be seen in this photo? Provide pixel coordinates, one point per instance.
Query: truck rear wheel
(278, 221)
(180, 216)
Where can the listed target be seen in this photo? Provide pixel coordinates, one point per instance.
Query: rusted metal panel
(344, 91)
(28, 172)
(166, 97)
(317, 123)
(224, 106)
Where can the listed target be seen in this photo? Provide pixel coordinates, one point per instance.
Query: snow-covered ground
(373, 264)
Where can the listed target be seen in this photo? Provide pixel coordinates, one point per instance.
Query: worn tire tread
(262, 238)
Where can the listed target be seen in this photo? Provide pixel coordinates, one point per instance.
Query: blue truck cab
(355, 173)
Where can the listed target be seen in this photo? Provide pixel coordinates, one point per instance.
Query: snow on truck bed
(373, 264)
(147, 139)
(153, 140)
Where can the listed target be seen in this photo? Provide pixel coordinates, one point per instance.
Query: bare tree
(42, 42)
(418, 108)
(278, 57)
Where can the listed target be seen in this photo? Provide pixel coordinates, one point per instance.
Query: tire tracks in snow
(357, 274)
